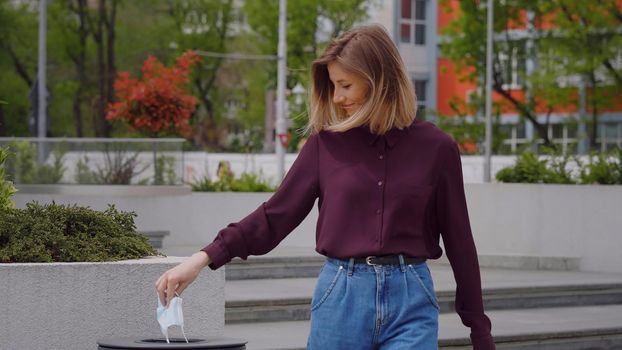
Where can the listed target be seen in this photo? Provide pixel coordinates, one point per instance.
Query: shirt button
(378, 211)
(379, 183)
(381, 157)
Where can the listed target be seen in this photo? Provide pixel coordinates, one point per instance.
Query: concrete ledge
(72, 305)
(107, 190)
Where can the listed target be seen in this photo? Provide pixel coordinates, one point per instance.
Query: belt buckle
(368, 260)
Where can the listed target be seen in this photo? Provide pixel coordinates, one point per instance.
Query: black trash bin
(212, 343)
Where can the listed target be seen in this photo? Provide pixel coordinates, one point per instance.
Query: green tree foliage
(89, 41)
(18, 30)
(206, 26)
(585, 44)
(582, 39)
(307, 21)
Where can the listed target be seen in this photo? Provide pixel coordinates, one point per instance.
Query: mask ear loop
(182, 327)
(166, 336)
(184, 334)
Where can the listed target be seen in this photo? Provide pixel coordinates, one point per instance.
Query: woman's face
(350, 90)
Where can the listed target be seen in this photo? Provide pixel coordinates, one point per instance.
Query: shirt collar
(392, 136)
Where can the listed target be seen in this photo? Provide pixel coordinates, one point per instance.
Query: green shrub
(6, 187)
(24, 168)
(228, 183)
(528, 169)
(602, 169)
(119, 168)
(84, 175)
(165, 171)
(251, 183)
(58, 233)
(558, 172)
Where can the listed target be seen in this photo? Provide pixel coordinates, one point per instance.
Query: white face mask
(171, 316)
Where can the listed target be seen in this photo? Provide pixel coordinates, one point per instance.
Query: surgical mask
(170, 316)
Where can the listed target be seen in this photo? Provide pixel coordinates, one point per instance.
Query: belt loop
(350, 266)
(402, 264)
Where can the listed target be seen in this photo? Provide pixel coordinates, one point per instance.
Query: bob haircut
(369, 53)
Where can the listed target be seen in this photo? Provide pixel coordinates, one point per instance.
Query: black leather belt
(387, 260)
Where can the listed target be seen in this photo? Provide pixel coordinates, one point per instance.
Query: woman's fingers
(161, 286)
(177, 279)
(171, 286)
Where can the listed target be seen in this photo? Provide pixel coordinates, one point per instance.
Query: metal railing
(127, 161)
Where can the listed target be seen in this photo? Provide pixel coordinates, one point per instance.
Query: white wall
(509, 221)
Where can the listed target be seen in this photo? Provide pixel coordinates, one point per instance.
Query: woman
(388, 187)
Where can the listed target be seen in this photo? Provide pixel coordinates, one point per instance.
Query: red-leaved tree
(158, 102)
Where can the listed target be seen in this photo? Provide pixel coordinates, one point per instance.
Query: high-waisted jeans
(356, 306)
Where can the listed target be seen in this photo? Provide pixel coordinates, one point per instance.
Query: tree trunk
(80, 62)
(111, 72)
(99, 117)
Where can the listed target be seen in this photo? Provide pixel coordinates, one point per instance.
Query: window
(561, 134)
(609, 136)
(420, 91)
(512, 67)
(412, 22)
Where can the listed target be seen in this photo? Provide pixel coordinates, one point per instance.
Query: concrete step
(295, 309)
(291, 262)
(567, 328)
(274, 267)
(288, 299)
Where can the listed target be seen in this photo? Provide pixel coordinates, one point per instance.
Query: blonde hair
(369, 53)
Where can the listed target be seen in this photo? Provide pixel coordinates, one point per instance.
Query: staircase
(268, 298)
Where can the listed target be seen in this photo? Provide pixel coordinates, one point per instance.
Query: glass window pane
(520, 131)
(558, 131)
(405, 33)
(419, 34)
(611, 131)
(420, 9)
(420, 86)
(406, 9)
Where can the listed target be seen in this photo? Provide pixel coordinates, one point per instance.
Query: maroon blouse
(396, 193)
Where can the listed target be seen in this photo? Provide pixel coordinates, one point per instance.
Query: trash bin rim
(202, 343)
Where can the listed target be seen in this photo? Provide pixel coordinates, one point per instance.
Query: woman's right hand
(177, 279)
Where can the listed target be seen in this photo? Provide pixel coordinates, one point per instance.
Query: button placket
(381, 183)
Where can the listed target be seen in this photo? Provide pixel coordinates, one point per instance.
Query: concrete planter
(72, 305)
(574, 227)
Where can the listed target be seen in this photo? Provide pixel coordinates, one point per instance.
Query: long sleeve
(263, 229)
(453, 221)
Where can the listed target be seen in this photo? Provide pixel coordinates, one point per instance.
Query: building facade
(416, 27)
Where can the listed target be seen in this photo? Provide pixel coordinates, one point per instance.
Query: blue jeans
(362, 307)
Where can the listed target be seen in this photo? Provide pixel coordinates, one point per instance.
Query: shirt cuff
(218, 255)
(482, 342)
